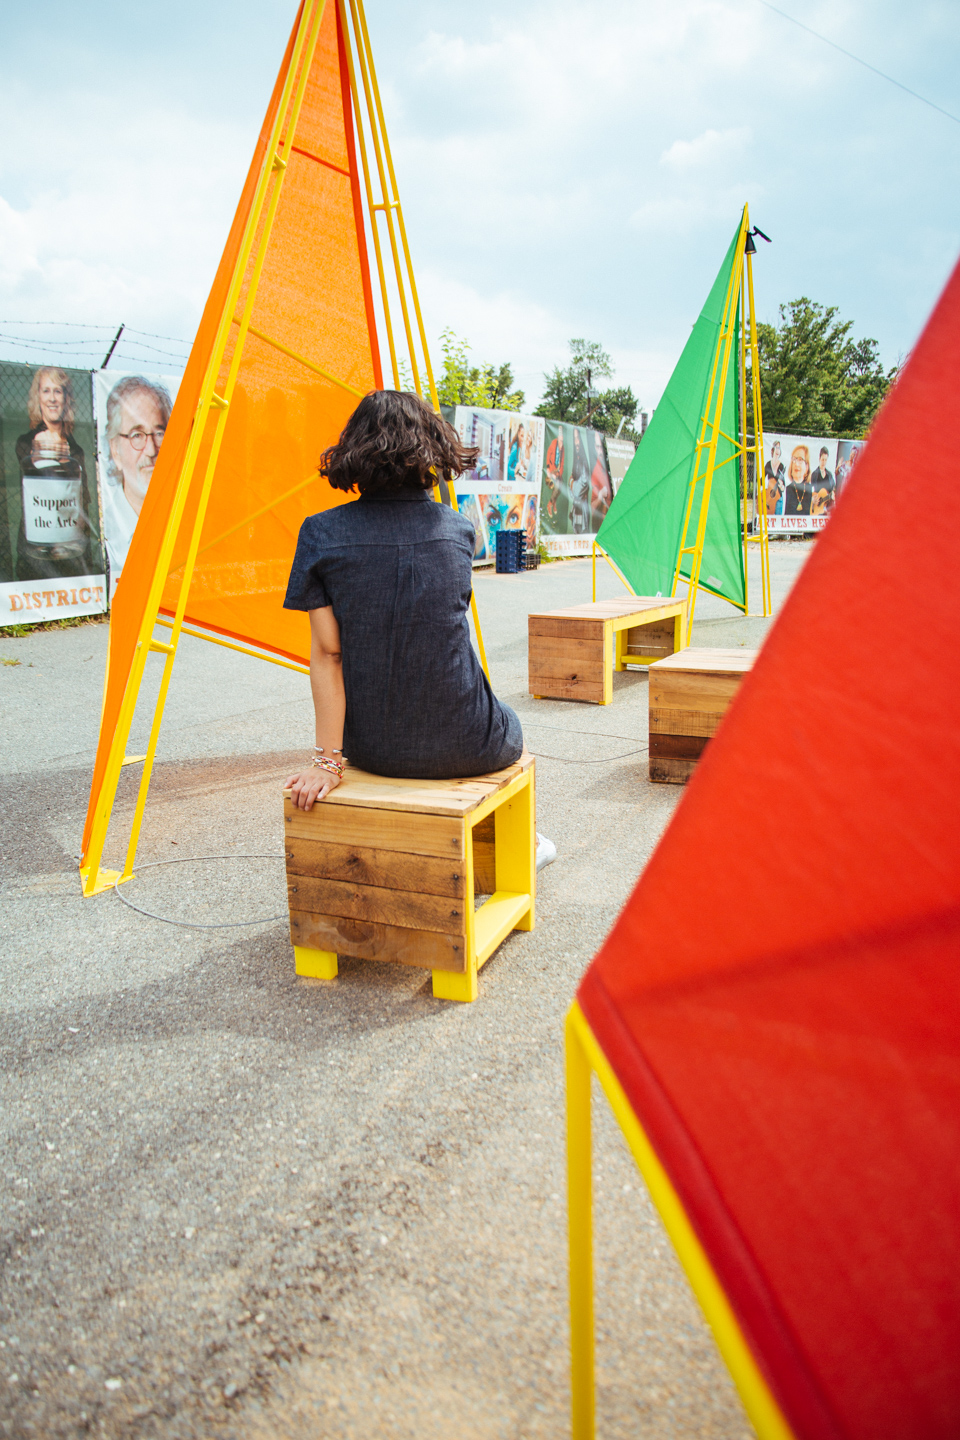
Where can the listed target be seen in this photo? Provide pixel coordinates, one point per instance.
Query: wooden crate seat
(573, 652)
(690, 693)
(388, 869)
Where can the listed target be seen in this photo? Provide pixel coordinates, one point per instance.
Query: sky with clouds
(566, 170)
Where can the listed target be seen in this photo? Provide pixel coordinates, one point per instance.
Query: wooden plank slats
(629, 605)
(565, 687)
(406, 908)
(683, 691)
(370, 940)
(587, 654)
(438, 835)
(667, 771)
(678, 747)
(558, 627)
(701, 660)
(672, 721)
(484, 856)
(387, 869)
(650, 639)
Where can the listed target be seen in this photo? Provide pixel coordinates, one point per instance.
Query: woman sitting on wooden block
(386, 581)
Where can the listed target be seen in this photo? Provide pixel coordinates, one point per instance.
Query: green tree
(611, 407)
(565, 391)
(566, 394)
(487, 386)
(815, 378)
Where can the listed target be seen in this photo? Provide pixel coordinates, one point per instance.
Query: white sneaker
(546, 851)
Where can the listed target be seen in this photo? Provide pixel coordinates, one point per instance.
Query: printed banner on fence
(51, 557)
(619, 455)
(576, 491)
(802, 477)
(502, 491)
(132, 414)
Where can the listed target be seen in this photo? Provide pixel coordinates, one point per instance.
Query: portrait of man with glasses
(138, 411)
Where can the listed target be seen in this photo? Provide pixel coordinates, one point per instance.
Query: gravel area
(238, 1203)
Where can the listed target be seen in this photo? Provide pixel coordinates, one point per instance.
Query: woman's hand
(310, 785)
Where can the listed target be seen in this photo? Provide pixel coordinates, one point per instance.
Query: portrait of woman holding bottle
(59, 534)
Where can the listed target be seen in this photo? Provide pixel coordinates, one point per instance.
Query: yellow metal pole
(759, 1402)
(368, 188)
(232, 645)
(742, 441)
(399, 208)
(388, 203)
(758, 449)
(208, 399)
(479, 633)
(580, 1232)
(616, 570)
(594, 552)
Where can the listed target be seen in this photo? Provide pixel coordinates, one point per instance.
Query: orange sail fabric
(313, 298)
(780, 998)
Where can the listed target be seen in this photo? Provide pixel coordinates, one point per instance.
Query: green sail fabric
(641, 531)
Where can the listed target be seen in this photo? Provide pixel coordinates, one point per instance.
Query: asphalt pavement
(243, 1204)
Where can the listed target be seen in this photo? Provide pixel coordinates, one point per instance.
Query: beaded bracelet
(330, 766)
(325, 762)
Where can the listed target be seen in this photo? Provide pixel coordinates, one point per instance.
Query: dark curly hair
(394, 441)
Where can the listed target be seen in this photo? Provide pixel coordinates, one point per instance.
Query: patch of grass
(70, 622)
(5, 661)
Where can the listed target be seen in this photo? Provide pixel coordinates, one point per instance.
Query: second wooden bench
(573, 652)
(690, 693)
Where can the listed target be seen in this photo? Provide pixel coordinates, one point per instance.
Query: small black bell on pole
(749, 248)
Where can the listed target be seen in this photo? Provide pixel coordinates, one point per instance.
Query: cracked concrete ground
(237, 1203)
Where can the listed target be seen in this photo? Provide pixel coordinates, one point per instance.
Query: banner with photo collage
(803, 475)
(502, 491)
(577, 490)
(51, 554)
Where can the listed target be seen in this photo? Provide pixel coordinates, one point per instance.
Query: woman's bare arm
(329, 704)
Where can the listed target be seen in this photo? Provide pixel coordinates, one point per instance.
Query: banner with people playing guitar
(803, 476)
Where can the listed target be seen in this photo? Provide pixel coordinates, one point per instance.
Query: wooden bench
(689, 696)
(573, 652)
(388, 870)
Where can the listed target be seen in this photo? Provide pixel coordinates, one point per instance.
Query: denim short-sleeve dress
(397, 570)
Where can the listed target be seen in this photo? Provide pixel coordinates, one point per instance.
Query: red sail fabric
(780, 998)
(314, 299)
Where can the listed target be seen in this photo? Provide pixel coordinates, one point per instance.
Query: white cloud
(712, 148)
(126, 224)
(18, 256)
